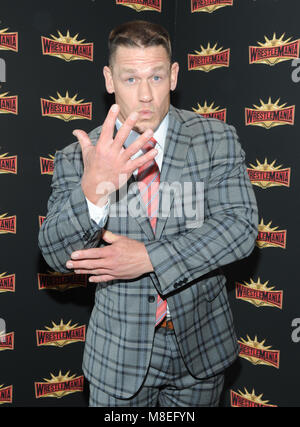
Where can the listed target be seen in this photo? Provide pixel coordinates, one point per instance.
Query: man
(122, 210)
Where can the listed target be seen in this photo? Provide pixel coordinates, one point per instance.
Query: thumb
(110, 237)
(83, 138)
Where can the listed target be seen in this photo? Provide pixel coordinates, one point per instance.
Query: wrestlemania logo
(8, 41)
(47, 165)
(211, 111)
(8, 164)
(247, 400)
(209, 59)
(7, 341)
(59, 386)
(258, 354)
(274, 51)
(66, 108)
(61, 281)
(6, 394)
(67, 47)
(8, 224)
(270, 237)
(259, 294)
(209, 5)
(141, 5)
(60, 335)
(8, 104)
(266, 175)
(270, 115)
(7, 282)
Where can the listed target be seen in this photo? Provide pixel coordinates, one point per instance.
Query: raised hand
(107, 165)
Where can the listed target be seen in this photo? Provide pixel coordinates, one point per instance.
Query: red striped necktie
(148, 178)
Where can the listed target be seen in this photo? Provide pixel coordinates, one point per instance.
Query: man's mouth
(145, 114)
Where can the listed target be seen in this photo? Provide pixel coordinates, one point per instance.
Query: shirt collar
(159, 135)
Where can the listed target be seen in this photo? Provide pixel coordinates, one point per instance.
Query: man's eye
(131, 80)
(156, 78)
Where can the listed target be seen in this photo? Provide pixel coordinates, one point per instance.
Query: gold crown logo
(270, 106)
(265, 166)
(266, 227)
(60, 378)
(266, 175)
(209, 50)
(274, 41)
(67, 100)
(67, 38)
(255, 343)
(67, 114)
(206, 109)
(274, 50)
(252, 397)
(61, 326)
(258, 285)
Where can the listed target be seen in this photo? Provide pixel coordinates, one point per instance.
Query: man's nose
(145, 92)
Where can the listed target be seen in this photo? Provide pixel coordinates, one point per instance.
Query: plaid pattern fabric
(186, 255)
(161, 386)
(148, 177)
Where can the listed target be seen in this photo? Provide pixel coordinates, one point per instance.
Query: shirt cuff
(98, 214)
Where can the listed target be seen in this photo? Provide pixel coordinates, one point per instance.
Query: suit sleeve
(68, 226)
(228, 232)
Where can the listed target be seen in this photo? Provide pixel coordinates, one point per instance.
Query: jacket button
(151, 298)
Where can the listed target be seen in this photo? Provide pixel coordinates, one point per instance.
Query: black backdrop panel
(32, 76)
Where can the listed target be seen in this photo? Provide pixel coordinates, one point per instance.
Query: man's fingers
(92, 253)
(103, 278)
(141, 160)
(110, 237)
(108, 127)
(93, 271)
(138, 144)
(83, 138)
(126, 128)
(89, 264)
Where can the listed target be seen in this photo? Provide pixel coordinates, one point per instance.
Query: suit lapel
(175, 152)
(137, 209)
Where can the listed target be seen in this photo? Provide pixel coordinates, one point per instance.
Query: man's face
(141, 79)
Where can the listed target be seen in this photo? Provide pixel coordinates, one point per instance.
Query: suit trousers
(167, 383)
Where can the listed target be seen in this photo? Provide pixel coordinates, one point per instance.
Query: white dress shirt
(100, 214)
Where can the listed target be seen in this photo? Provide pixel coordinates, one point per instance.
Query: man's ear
(109, 83)
(174, 75)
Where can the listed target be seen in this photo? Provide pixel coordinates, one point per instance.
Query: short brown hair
(138, 34)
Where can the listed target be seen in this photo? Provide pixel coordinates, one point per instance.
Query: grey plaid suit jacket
(187, 255)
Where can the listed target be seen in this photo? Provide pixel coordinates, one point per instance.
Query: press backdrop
(238, 62)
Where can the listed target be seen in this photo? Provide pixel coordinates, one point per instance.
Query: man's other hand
(123, 258)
